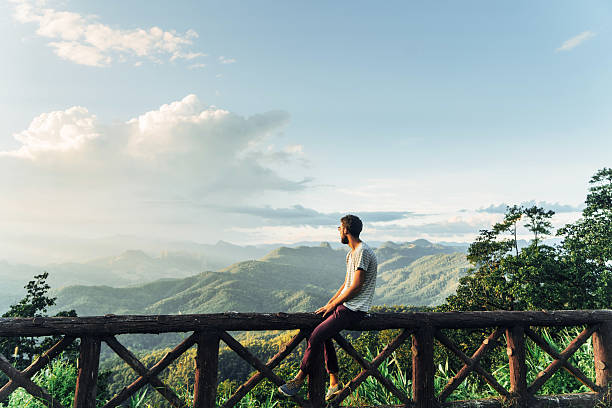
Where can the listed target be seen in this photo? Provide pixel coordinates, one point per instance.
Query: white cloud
(71, 171)
(196, 66)
(84, 40)
(576, 41)
(226, 60)
(59, 131)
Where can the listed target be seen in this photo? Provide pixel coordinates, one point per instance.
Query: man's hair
(353, 224)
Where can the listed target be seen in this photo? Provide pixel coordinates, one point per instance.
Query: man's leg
(331, 359)
(340, 318)
(319, 336)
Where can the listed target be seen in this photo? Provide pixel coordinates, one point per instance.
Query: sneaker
(290, 388)
(332, 392)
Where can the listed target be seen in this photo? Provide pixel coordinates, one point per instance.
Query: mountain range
(286, 279)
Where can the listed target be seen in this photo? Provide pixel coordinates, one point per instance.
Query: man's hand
(326, 310)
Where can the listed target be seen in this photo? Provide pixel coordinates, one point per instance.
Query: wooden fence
(423, 329)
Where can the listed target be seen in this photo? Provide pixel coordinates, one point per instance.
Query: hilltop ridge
(286, 279)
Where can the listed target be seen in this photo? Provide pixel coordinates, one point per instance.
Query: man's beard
(344, 240)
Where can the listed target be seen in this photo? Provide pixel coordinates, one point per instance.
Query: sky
(266, 121)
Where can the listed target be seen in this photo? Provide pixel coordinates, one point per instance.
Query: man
(349, 305)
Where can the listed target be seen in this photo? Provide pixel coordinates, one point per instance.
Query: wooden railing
(422, 328)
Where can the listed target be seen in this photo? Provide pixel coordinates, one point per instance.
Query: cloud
(195, 66)
(299, 215)
(85, 41)
(226, 60)
(576, 41)
(556, 207)
(70, 169)
(59, 131)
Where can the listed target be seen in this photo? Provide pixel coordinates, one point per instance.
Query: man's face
(343, 237)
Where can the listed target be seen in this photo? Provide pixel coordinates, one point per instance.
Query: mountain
(286, 279)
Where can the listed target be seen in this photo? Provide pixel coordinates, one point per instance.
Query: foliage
(35, 304)
(59, 379)
(588, 242)
(574, 275)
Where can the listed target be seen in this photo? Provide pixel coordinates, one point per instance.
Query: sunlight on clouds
(56, 131)
(69, 167)
(85, 41)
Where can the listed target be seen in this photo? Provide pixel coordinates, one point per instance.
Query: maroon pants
(322, 335)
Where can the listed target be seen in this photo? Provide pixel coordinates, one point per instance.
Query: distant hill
(286, 279)
(131, 267)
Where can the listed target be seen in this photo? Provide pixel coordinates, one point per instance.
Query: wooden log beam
(543, 344)
(143, 380)
(271, 364)
(316, 381)
(87, 376)
(40, 362)
(207, 365)
(515, 339)
(423, 395)
(256, 363)
(127, 356)
(361, 377)
(602, 353)
(571, 348)
(27, 384)
(471, 364)
(366, 365)
(112, 325)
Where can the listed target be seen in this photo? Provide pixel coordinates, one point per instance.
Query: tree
(35, 304)
(577, 274)
(588, 242)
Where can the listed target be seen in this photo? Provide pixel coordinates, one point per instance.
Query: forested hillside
(287, 279)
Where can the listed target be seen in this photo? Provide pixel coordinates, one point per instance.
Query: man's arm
(339, 291)
(339, 298)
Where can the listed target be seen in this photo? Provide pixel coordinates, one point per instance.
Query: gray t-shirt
(363, 257)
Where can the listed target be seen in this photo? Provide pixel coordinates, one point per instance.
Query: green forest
(497, 274)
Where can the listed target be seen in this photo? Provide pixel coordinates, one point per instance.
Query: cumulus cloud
(576, 41)
(299, 215)
(59, 131)
(556, 207)
(70, 168)
(84, 40)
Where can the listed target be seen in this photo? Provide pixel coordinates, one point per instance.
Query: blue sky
(427, 110)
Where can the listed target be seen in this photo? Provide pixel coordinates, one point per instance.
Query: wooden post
(515, 337)
(423, 395)
(316, 382)
(602, 352)
(87, 378)
(207, 365)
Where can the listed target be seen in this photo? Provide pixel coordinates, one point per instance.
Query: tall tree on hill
(588, 242)
(574, 275)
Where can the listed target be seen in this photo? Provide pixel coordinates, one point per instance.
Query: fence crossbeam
(545, 374)
(256, 363)
(473, 363)
(470, 363)
(366, 365)
(127, 356)
(37, 365)
(143, 380)
(543, 344)
(361, 377)
(272, 363)
(21, 380)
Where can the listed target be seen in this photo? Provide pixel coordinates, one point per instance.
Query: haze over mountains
(286, 279)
